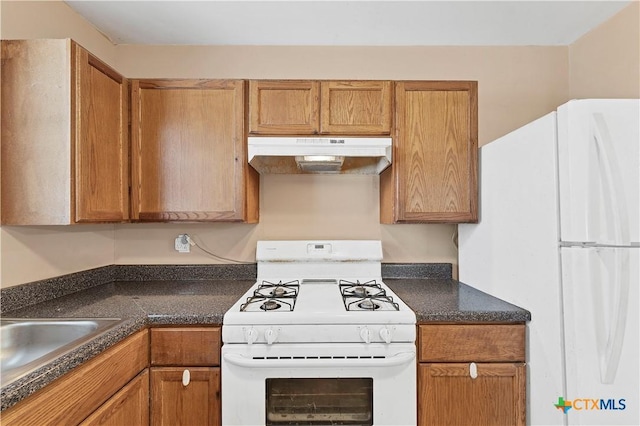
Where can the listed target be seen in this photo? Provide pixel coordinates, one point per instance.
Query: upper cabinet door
(64, 136)
(283, 107)
(355, 107)
(189, 156)
(433, 177)
(304, 107)
(101, 141)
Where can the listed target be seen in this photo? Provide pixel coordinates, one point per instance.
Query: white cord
(193, 243)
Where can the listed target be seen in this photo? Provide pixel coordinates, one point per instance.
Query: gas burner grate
(287, 289)
(366, 296)
(358, 289)
(371, 303)
(273, 297)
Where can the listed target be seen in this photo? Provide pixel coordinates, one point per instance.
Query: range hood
(291, 155)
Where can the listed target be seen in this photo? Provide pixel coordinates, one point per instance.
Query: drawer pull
(473, 370)
(186, 377)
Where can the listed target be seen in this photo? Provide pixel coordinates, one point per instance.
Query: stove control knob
(365, 333)
(385, 334)
(251, 335)
(270, 335)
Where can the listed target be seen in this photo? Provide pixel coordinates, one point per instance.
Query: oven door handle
(393, 361)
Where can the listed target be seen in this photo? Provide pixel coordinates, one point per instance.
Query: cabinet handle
(473, 370)
(186, 377)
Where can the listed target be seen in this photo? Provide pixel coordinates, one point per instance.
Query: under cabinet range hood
(291, 155)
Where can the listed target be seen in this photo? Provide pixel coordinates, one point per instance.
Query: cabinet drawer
(185, 346)
(472, 343)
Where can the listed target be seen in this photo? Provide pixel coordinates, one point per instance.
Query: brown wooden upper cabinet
(64, 136)
(304, 107)
(188, 159)
(433, 175)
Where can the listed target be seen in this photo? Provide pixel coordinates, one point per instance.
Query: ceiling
(347, 23)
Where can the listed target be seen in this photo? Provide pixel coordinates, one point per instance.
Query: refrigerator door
(599, 169)
(601, 298)
(512, 253)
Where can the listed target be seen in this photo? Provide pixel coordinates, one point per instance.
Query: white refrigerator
(559, 235)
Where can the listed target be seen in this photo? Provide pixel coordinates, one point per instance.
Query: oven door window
(319, 401)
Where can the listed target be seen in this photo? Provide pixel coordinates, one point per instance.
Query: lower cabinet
(175, 403)
(185, 376)
(471, 374)
(130, 406)
(451, 396)
(162, 376)
(112, 381)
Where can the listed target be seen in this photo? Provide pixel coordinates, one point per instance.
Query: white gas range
(319, 339)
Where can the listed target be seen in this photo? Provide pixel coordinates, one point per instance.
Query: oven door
(319, 384)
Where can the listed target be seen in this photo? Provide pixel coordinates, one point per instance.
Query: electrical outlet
(182, 244)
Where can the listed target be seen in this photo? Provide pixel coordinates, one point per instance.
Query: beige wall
(605, 63)
(25, 19)
(516, 85)
(32, 253)
(293, 207)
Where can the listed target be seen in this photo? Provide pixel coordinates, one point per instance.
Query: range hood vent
(329, 155)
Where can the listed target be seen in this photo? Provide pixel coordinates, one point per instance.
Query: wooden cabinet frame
(187, 163)
(284, 107)
(66, 154)
(433, 175)
(355, 107)
(98, 195)
(65, 151)
(310, 107)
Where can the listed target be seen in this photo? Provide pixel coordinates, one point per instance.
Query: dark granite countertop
(138, 296)
(448, 300)
(141, 303)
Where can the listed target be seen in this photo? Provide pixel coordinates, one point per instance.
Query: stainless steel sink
(27, 344)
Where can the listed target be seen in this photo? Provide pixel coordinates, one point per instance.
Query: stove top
(318, 291)
(272, 296)
(318, 301)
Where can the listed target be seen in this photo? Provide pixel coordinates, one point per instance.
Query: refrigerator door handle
(610, 341)
(615, 204)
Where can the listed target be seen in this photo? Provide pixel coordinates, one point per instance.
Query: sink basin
(27, 344)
